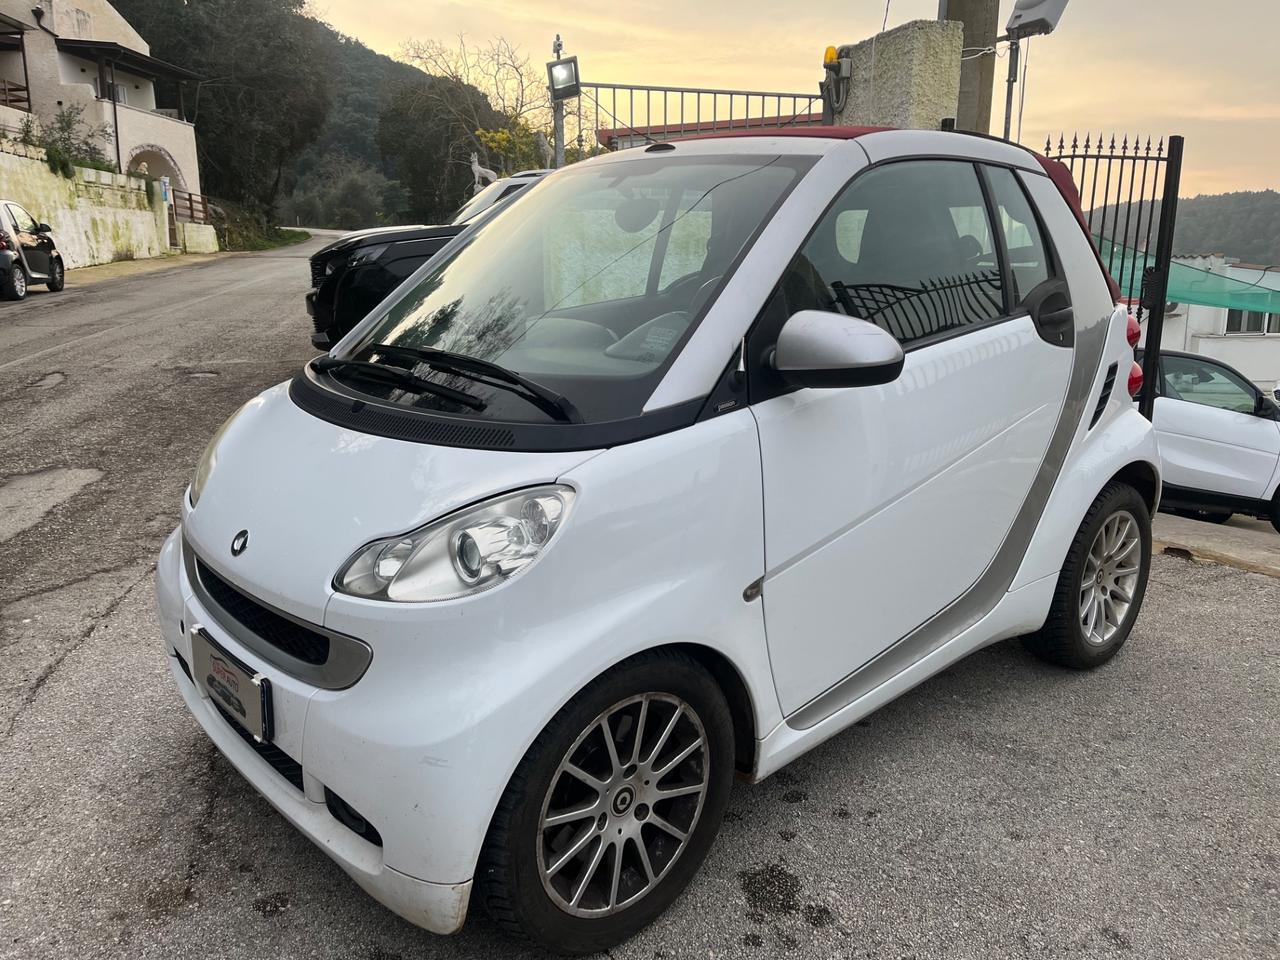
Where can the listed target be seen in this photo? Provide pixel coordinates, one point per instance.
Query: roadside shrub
(69, 141)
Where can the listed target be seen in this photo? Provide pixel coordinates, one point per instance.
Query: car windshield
(589, 285)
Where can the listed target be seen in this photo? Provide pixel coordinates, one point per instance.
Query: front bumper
(437, 907)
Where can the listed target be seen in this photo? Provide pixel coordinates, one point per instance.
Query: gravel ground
(1003, 809)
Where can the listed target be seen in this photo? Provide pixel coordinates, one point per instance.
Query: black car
(357, 271)
(27, 253)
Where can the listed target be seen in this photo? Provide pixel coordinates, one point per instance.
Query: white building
(56, 53)
(1248, 340)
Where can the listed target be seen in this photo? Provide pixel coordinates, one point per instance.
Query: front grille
(347, 815)
(293, 638)
(280, 761)
(317, 272)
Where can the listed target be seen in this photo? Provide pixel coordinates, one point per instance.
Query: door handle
(1058, 318)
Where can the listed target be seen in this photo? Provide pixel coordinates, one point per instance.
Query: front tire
(13, 284)
(1103, 581)
(57, 275)
(613, 808)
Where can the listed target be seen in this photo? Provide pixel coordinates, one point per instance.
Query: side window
(1029, 260)
(909, 247)
(22, 220)
(1197, 381)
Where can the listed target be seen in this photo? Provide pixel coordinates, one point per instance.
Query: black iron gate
(1128, 191)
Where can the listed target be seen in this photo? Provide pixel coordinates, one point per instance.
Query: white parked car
(703, 452)
(1219, 440)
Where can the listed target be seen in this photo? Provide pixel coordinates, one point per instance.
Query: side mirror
(43, 228)
(1265, 407)
(820, 349)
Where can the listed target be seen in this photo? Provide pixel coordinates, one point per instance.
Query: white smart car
(684, 464)
(1219, 439)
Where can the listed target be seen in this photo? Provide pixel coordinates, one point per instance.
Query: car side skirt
(1187, 498)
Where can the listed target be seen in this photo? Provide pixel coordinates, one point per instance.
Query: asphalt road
(1004, 809)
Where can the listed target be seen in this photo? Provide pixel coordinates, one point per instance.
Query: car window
(1029, 261)
(22, 220)
(909, 247)
(1198, 381)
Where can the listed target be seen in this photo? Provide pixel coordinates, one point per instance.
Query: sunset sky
(1208, 71)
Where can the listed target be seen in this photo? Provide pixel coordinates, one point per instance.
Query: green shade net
(1186, 284)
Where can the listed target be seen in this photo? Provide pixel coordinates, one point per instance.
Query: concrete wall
(197, 238)
(80, 19)
(905, 77)
(96, 217)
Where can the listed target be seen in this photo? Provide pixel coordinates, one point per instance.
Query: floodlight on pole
(563, 84)
(1030, 18)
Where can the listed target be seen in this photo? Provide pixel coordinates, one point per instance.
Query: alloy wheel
(1110, 578)
(623, 805)
(19, 282)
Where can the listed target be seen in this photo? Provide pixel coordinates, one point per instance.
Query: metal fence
(619, 115)
(1129, 192)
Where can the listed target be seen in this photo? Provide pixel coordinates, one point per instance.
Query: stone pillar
(911, 79)
(977, 74)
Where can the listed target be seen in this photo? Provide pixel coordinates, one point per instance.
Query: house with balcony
(58, 53)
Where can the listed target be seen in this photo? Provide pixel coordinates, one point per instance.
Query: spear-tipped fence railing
(1129, 190)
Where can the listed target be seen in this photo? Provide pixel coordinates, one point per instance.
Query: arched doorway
(152, 160)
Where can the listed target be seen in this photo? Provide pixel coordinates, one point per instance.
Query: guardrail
(624, 115)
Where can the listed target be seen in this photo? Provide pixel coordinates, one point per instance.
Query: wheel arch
(1143, 477)
(736, 692)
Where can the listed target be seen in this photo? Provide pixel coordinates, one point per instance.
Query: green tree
(427, 133)
(265, 93)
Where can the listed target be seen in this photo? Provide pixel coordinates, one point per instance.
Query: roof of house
(121, 55)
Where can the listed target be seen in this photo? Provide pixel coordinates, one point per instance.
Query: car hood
(310, 493)
(367, 238)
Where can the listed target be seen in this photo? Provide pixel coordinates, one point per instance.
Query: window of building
(908, 246)
(1252, 321)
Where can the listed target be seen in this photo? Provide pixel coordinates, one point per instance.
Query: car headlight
(464, 553)
(209, 458)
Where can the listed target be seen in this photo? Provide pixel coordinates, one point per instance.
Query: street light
(563, 84)
(1030, 18)
(562, 79)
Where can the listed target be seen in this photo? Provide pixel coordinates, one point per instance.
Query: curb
(1200, 554)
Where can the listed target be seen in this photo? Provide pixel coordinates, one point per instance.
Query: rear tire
(1103, 581)
(616, 855)
(57, 275)
(13, 284)
(1275, 511)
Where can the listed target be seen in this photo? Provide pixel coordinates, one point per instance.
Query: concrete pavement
(1004, 809)
(1241, 542)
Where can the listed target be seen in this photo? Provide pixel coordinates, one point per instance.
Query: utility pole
(557, 111)
(1015, 49)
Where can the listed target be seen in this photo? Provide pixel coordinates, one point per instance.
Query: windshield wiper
(398, 378)
(553, 404)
